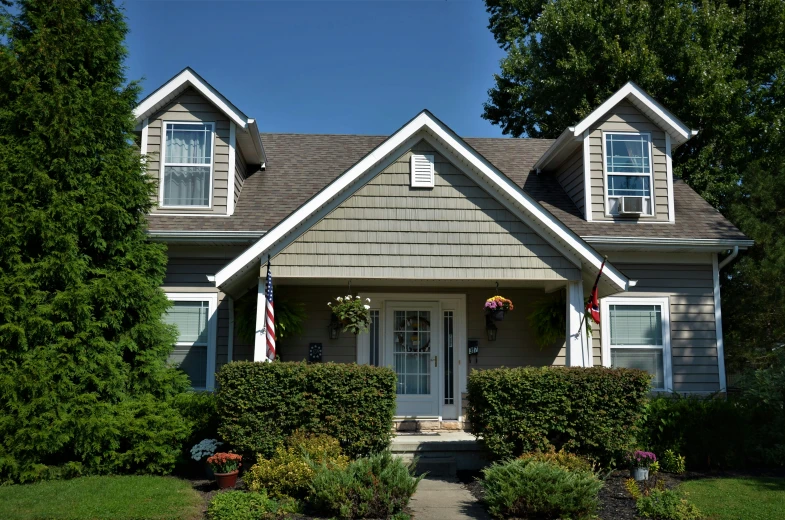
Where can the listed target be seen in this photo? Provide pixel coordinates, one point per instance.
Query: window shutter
(422, 171)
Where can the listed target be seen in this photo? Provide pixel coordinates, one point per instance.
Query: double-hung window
(628, 169)
(187, 161)
(636, 334)
(194, 351)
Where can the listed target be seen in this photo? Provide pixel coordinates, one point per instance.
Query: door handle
(436, 361)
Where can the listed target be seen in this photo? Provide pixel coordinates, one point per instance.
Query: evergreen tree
(719, 65)
(84, 385)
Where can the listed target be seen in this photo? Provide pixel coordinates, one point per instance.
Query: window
(636, 334)
(627, 169)
(194, 351)
(187, 165)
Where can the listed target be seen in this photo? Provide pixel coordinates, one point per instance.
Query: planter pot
(227, 480)
(640, 474)
(497, 315)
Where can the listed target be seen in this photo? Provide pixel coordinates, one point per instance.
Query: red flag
(593, 305)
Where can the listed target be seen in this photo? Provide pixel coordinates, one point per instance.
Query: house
(428, 225)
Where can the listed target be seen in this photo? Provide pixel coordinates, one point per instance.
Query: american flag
(270, 315)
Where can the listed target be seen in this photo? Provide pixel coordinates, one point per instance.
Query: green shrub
(374, 487)
(239, 505)
(290, 471)
(590, 411)
(672, 462)
(563, 459)
(260, 404)
(763, 396)
(524, 488)
(198, 408)
(667, 505)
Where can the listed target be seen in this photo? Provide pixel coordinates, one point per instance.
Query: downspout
(230, 340)
(728, 259)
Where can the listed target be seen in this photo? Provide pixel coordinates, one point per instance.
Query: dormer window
(187, 165)
(628, 173)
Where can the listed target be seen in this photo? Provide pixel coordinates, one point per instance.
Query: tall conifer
(84, 385)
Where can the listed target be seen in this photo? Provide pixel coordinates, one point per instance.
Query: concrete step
(441, 454)
(433, 466)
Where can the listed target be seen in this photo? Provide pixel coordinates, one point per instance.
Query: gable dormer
(616, 164)
(198, 146)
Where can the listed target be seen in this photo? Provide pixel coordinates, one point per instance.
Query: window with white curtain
(628, 168)
(195, 346)
(636, 334)
(187, 164)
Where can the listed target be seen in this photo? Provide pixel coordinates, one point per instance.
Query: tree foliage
(719, 65)
(84, 385)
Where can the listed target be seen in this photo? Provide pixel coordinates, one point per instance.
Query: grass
(748, 498)
(118, 498)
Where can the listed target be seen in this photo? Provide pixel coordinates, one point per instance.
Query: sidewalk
(445, 499)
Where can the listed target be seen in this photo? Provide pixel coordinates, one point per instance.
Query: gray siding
(187, 271)
(191, 106)
(570, 176)
(626, 118)
(514, 346)
(690, 289)
(453, 231)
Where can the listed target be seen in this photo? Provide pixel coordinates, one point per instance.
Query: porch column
(260, 337)
(578, 349)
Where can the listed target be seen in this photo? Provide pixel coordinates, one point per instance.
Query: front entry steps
(442, 453)
(428, 425)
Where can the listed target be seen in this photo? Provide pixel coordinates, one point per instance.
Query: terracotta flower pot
(227, 480)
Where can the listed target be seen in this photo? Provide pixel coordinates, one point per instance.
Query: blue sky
(363, 67)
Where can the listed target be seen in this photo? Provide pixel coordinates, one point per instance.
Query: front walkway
(437, 499)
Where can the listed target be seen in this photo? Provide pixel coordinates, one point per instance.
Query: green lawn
(118, 498)
(751, 498)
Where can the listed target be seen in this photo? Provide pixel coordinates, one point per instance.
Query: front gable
(453, 231)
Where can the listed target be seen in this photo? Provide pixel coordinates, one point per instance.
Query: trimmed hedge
(261, 404)
(589, 411)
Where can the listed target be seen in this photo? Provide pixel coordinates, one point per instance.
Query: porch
(432, 334)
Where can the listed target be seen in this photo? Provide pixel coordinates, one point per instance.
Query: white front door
(413, 339)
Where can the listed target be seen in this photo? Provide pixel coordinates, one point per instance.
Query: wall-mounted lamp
(334, 327)
(490, 329)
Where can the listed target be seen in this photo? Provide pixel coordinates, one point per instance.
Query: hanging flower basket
(351, 313)
(497, 306)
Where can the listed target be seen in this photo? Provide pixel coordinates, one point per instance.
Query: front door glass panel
(412, 351)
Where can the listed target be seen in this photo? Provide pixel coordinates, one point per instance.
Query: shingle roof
(300, 165)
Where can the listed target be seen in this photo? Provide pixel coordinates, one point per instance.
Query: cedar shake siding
(453, 231)
(191, 106)
(624, 117)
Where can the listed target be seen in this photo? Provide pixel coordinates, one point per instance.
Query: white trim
(717, 243)
(669, 172)
(230, 336)
(260, 337)
(577, 353)
(504, 188)
(163, 166)
(145, 132)
(664, 303)
(587, 202)
(605, 173)
(564, 139)
(212, 328)
(634, 91)
(718, 325)
(232, 173)
(189, 77)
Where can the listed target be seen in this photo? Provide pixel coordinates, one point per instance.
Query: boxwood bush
(589, 411)
(260, 404)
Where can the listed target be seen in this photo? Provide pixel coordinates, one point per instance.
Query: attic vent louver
(422, 171)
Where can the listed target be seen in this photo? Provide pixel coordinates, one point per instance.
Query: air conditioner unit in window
(631, 206)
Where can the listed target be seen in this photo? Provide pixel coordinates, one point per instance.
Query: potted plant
(496, 306)
(206, 448)
(226, 466)
(352, 313)
(640, 462)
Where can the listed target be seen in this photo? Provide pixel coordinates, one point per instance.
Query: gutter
(565, 137)
(229, 237)
(704, 243)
